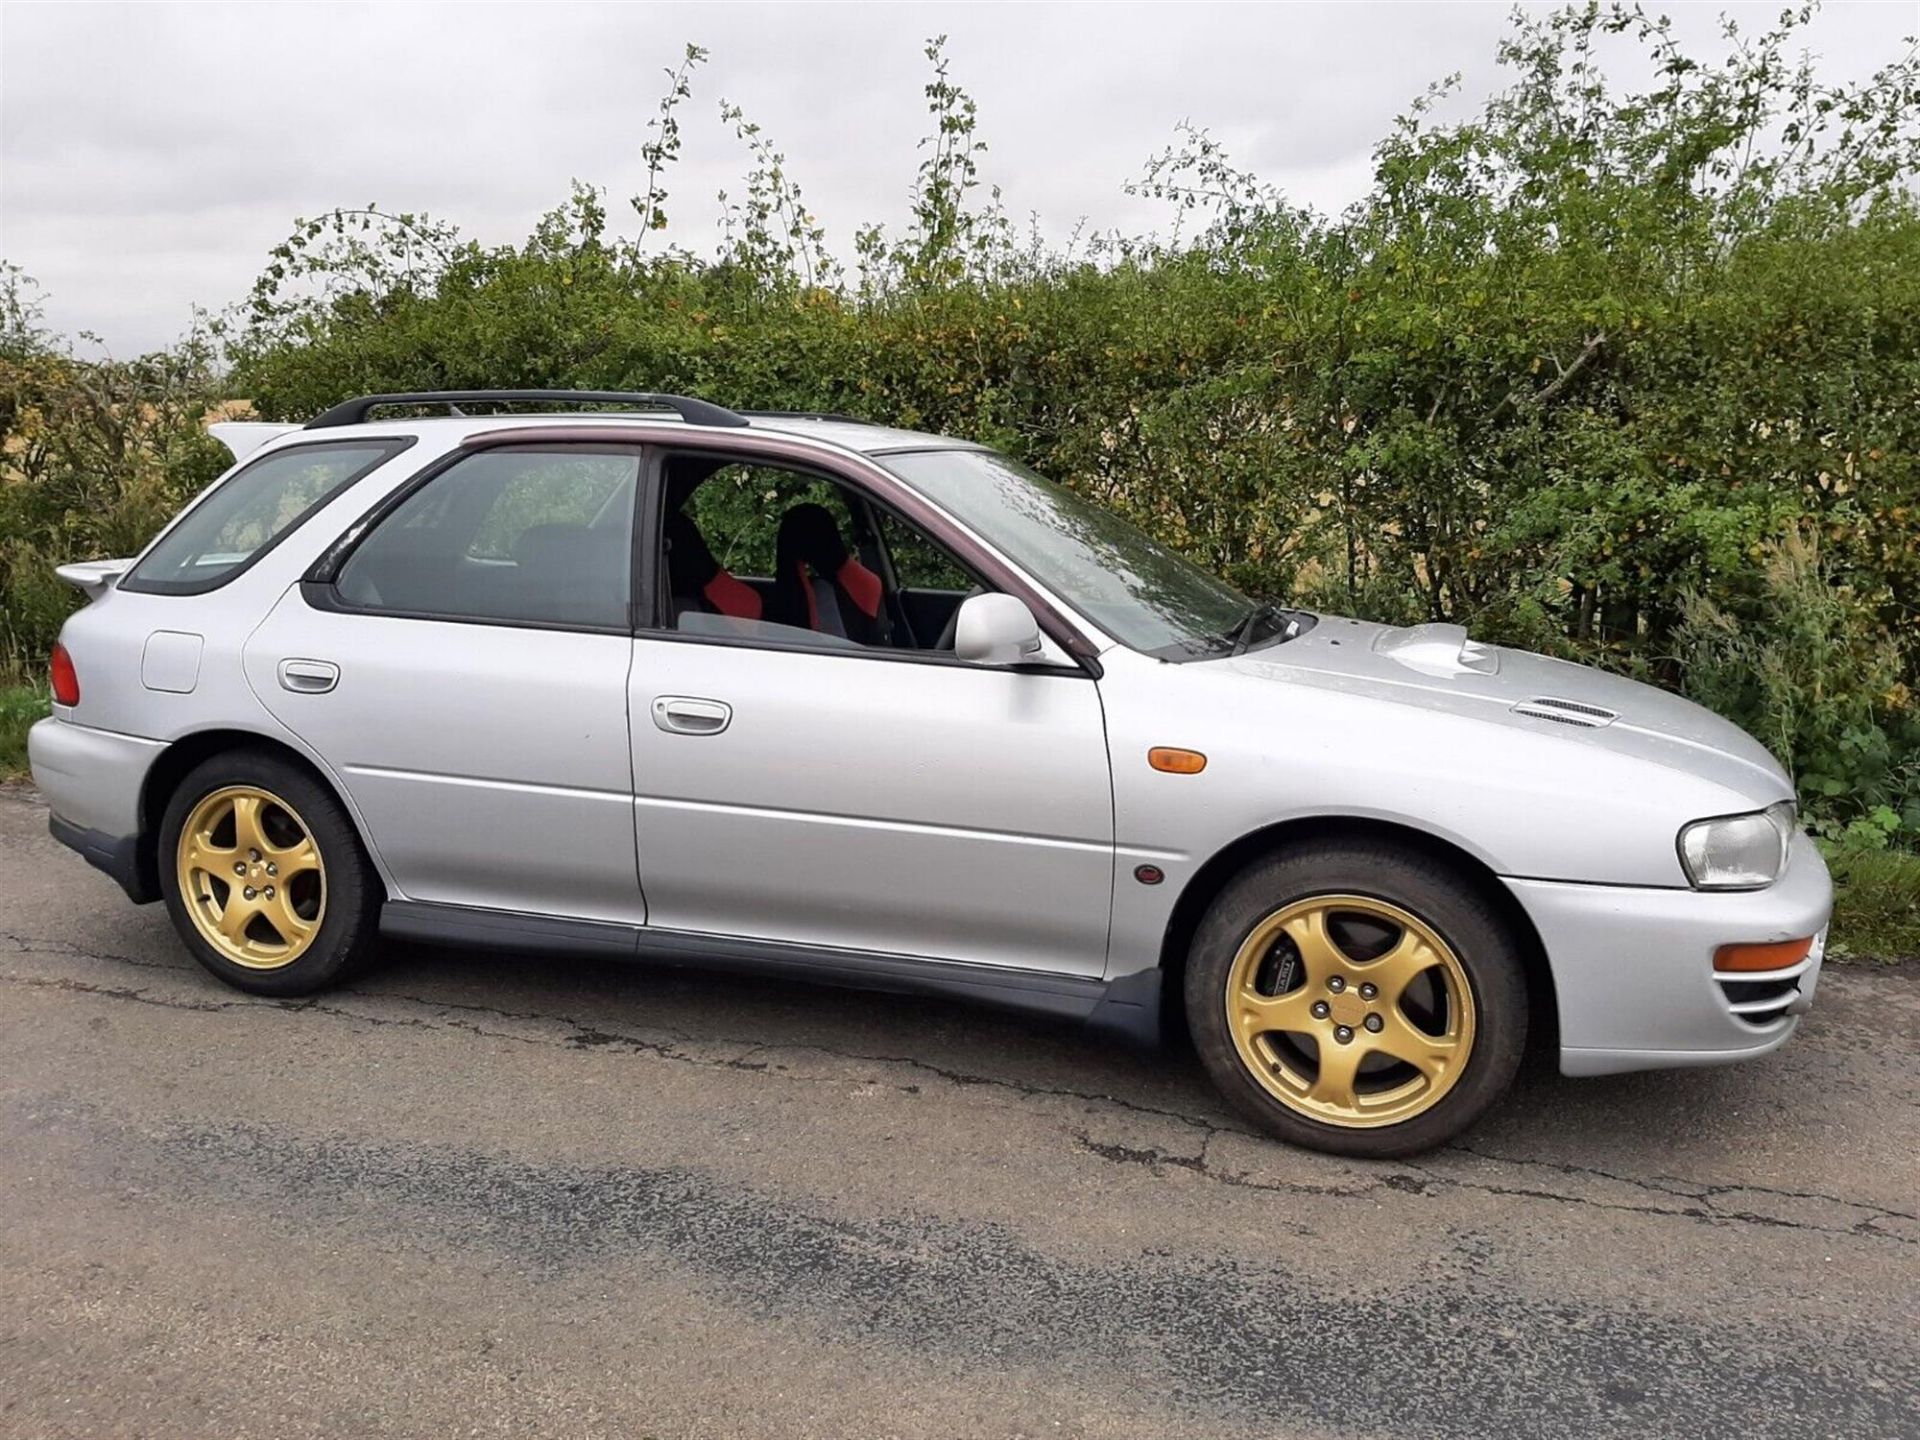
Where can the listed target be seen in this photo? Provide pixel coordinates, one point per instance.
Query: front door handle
(309, 677)
(687, 715)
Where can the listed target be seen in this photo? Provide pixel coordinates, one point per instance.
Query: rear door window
(250, 512)
(509, 537)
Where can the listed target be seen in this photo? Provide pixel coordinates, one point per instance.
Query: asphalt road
(479, 1195)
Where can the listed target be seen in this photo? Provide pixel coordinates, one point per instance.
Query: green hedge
(1630, 376)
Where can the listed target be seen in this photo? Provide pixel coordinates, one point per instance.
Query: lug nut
(239, 867)
(1373, 1022)
(1336, 984)
(273, 869)
(1321, 1009)
(270, 896)
(1367, 991)
(1342, 1033)
(254, 855)
(248, 892)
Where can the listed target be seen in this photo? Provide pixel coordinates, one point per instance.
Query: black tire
(353, 892)
(1442, 899)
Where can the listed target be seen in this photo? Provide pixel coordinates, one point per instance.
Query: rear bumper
(92, 781)
(1633, 968)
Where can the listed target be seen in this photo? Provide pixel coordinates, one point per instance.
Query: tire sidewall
(353, 891)
(1443, 899)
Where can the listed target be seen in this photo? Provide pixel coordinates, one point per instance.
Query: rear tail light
(66, 682)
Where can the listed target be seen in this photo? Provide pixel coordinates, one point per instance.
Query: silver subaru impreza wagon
(781, 692)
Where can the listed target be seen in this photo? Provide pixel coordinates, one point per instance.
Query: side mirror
(996, 630)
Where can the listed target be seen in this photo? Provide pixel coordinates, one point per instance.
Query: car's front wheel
(1357, 998)
(264, 876)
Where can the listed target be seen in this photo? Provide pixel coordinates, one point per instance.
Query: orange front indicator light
(1176, 762)
(1775, 956)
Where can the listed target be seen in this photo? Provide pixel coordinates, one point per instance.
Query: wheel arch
(1213, 876)
(178, 760)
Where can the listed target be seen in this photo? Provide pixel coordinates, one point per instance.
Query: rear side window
(510, 537)
(252, 511)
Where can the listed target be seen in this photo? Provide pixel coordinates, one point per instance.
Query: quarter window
(532, 537)
(250, 512)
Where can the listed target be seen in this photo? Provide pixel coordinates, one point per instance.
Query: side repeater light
(1176, 762)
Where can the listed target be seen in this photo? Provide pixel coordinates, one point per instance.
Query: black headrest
(808, 534)
(690, 564)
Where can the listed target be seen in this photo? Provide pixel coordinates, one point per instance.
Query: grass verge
(1876, 904)
(20, 706)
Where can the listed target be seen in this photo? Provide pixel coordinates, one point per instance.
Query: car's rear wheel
(264, 876)
(1357, 998)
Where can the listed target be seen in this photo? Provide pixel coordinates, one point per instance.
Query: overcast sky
(150, 155)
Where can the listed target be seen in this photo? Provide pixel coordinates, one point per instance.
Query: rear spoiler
(243, 437)
(95, 577)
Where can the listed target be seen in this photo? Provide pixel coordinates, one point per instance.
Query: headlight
(1738, 852)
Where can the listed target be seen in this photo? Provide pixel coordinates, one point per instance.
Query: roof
(849, 434)
(603, 408)
(854, 435)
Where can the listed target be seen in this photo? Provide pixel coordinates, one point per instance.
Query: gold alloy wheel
(1350, 1011)
(252, 878)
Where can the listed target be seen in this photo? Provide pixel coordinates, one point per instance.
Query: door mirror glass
(996, 630)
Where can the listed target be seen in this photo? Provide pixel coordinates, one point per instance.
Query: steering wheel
(952, 627)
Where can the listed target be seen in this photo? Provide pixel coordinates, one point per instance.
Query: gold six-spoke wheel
(1350, 1010)
(252, 877)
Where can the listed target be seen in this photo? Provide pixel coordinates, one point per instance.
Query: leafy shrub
(94, 458)
(1795, 657)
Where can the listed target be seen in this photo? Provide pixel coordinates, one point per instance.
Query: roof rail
(694, 412)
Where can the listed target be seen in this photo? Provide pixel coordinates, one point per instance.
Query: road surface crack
(1421, 1179)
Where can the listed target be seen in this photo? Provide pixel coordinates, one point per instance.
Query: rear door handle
(309, 677)
(687, 715)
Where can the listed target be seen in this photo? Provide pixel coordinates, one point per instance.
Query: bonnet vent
(1567, 712)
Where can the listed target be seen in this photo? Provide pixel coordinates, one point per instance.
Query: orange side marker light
(1776, 956)
(1176, 762)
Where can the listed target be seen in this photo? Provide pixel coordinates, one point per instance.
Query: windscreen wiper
(1241, 636)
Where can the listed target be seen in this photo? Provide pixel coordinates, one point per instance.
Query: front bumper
(92, 781)
(1633, 967)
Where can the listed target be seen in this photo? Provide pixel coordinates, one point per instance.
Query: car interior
(758, 551)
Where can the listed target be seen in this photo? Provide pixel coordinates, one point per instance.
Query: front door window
(756, 551)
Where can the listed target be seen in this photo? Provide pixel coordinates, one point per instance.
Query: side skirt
(1127, 1008)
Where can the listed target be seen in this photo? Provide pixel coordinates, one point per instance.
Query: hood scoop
(1440, 650)
(1567, 712)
